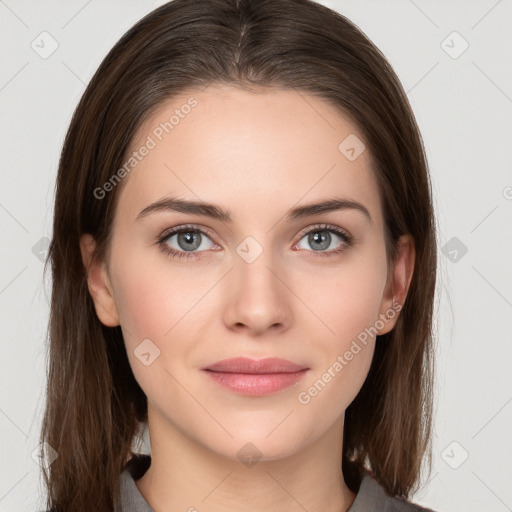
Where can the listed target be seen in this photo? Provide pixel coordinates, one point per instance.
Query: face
(266, 279)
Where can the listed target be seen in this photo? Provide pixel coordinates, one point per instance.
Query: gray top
(370, 498)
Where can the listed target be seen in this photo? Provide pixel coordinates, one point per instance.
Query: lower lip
(259, 384)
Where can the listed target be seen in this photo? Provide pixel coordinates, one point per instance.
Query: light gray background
(463, 106)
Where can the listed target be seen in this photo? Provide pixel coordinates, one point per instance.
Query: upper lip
(247, 365)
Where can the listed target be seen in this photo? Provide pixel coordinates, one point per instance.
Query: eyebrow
(216, 212)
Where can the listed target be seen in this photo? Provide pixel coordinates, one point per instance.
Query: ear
(398, 283)
(98, 283)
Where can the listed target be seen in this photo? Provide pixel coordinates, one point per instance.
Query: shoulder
(372, 497)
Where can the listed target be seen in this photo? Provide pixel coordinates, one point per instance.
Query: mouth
(252, 377)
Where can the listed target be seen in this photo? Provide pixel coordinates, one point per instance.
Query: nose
(258, 299)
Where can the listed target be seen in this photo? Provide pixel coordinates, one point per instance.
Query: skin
(257, 155)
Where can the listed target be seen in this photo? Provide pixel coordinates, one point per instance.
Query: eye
(185, 241)
(189, 241)
(320, 238)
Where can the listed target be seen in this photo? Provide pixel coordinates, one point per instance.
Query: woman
(244, 259)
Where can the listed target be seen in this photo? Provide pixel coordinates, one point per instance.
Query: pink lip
(255, 378)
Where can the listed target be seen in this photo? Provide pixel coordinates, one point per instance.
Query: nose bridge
(257, 296)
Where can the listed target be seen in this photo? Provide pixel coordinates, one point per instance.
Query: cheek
(345, 354)
(152, 296)
(347, 304)
(153, 305)
(158, 301)
(141, 312)
(346, 299)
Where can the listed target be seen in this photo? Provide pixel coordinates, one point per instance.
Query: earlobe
(98, 283)
(398, 283)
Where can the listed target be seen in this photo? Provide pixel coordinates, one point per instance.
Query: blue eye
(320, 238)
(191, 241)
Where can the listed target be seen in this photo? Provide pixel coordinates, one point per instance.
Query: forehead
(258, 152)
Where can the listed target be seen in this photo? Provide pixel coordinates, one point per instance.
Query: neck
(186, 475)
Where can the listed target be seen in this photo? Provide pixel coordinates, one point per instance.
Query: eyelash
(345, 237)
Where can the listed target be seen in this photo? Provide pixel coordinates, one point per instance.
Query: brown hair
(94, 406)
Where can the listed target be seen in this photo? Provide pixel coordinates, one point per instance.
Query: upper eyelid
(324, 227)
(192, 227)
